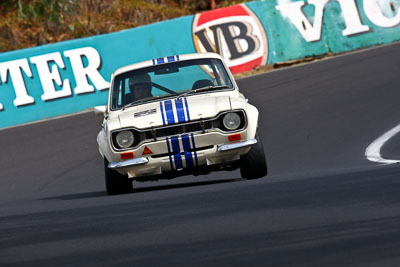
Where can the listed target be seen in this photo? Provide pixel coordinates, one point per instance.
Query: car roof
(165, 60)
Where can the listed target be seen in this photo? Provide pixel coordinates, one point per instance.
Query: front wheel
(253, 164)
(116, 183)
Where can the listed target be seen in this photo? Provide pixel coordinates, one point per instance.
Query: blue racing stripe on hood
(179, 110)
(162, 113)
(169, 111)
(187, 109)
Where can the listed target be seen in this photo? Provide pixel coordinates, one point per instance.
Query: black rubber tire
(253, 165)
(116, 183)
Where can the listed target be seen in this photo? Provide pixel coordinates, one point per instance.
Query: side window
(220, 75)
(117, 94)
(122, 97)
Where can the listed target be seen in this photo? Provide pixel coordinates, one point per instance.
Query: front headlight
(125, 139)
(231, 121)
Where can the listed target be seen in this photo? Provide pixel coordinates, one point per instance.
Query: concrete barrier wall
(298, 29)
(72, 76)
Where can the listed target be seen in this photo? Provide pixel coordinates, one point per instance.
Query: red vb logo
(235, 33)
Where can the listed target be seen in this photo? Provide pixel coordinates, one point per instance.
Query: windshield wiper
(140, 101)
(203, 89)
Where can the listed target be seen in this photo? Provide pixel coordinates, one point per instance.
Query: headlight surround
(125, 139)
(231, 121)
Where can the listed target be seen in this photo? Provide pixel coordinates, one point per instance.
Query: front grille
(180, 129)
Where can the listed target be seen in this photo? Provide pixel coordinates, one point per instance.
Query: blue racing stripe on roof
(176, 149)
(186, 147)
(177, 58)
(160, 60)
(169, 111)
(179, 110)
(171, 59)
(154, 62)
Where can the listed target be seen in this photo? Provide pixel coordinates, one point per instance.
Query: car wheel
(253, 165)
(116, 183)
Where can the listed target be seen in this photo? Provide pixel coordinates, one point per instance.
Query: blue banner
(72, 76)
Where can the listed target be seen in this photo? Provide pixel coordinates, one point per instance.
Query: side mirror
(100, 110)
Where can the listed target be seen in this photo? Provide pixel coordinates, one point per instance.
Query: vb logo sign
(235, 33)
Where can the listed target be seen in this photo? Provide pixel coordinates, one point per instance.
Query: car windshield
(166, 80)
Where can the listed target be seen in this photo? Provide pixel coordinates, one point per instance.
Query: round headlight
(125, 139)
(231, 121)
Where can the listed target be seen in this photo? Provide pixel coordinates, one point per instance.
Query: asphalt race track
(323, 203)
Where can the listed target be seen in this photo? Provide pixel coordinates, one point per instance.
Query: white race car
(174, 116)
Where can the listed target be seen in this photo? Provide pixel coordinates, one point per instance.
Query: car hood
(171, 111)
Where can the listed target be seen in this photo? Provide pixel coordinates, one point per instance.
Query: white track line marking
(373, 151)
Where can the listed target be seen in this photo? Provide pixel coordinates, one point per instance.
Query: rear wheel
(116, 183)
(253, 164)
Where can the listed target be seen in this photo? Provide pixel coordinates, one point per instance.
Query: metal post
(212, 4)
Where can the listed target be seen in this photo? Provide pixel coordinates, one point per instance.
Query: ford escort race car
(174, 116)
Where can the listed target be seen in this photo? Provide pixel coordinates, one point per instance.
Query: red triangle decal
(146, 151)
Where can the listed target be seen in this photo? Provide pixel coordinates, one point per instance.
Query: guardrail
(72, 76)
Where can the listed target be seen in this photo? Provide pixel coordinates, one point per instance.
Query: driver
(140, 86)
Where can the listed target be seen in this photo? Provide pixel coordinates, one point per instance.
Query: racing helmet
(144, 81)
(140, 79)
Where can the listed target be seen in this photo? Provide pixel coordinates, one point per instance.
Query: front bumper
(128, 163)
(228, 147)
(223, 153)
